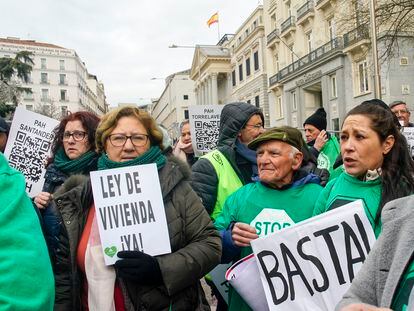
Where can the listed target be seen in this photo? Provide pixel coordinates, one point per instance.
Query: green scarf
(78, 165)
(153, 155)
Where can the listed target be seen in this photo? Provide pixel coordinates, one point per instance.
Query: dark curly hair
(398, 166)
(89, 121)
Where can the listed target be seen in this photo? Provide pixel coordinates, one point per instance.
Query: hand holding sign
(242, 234)
(138, 267)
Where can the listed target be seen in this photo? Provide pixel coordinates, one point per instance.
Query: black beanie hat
(318, 119)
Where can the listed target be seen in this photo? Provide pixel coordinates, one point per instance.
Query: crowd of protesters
(210, 201)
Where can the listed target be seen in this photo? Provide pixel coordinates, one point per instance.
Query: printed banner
(28, 146)
(204, 126)
(408, 132)
(130, 211)
(310, 265)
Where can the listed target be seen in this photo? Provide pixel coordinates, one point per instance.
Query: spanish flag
(213, 19)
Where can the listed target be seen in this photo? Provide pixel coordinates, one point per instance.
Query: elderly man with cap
(400, 109)
(323, 146)
(284, 195)
(4, 132)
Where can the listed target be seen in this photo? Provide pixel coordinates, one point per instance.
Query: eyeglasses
(255, 126)
(119, 140)
(77, 135)
(397, 112)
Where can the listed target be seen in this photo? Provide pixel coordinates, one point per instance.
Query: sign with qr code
(28, 146)
(204, 126)
(408, 132)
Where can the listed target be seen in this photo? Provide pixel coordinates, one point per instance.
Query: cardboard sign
(408, 132)
(204, 126)
(130, 211)
(243, 276)
(310, 265)
(28, 146)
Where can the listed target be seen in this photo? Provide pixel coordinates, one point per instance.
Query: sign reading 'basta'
(130, 211)
(309, 266)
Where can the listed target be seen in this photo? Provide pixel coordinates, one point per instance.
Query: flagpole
(218, 30)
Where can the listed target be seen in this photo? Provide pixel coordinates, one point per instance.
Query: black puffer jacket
(204, 179)
(195, 245)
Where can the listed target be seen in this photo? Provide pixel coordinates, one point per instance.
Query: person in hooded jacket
(219, 173)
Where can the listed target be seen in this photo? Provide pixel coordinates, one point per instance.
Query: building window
(241, 72)
(233, 77)
(43, 78)
(331, 29)
(186, 115)
(248, 67)
(292, 54)
(335, 125)
(309, 42)
(185, 97)
(62, 64)
(62, 79)
(257, 101)
(247, 32)
(64, 111)
(63, 96)
(256, 60)
(28, 95)
(333, 86)
(279, 107)
(277, 65)
(294, 102)
(45, 95)
(363, 77)
(29, 107)
(43, 63)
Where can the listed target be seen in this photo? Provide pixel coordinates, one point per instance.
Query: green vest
(228, 181)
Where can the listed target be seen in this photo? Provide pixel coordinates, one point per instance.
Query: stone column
(214, 89)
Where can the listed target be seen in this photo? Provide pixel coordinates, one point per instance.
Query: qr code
(28, 155)
(206, 134)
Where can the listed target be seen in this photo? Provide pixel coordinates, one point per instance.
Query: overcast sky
(125, 42)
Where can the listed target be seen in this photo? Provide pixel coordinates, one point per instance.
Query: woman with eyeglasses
(73, 152)
(126, 137)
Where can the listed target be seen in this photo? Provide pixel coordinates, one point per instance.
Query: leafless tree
(394, 18)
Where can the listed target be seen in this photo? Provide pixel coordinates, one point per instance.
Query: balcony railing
(274, 34)
(304, 9)
(289, 22)
(355, 35)
(321, 52)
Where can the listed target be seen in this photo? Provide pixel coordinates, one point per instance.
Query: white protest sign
(243, 276)
(408, 132)
(130, 211)
(204, 126)
(310, 265)
(28, 146)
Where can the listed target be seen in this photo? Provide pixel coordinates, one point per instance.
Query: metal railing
(289, 22)
(319, 2)
(274, 34)
(355, 35)
(319, 53)
(304, 9)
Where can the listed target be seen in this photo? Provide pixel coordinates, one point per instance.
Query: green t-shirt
(268, 210)
(26, 277)
(328, 155)
(346, 189)
(406, 285)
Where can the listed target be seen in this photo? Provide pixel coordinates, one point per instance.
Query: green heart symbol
(110, 251)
